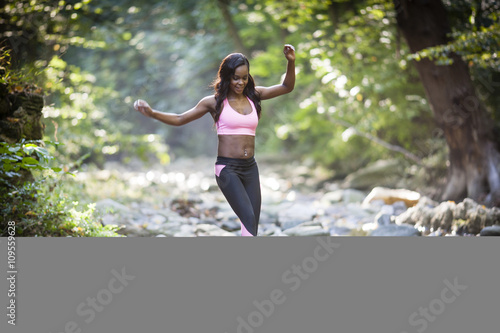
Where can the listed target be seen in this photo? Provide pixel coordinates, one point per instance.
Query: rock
(391, 196)
(492, 230)
(172, 216)
(186, 231)
(157, 219)
(131, 230)
(171, 228)
(153, 227)
(306, 231)
(395, 230)
(211, 230)
(387, 209)
(269, 229)
(467, 217)
(108, 219)
(279, 233)
(442, 215)
(111, 206)
(296, 214)
(353, 196)
(399, 207)
(230, 225)
(339, 231)
(332, 197)
(427, 202)
(186, 207)
(346, 195)
(382, 219)
(381, 173)
(416, 214)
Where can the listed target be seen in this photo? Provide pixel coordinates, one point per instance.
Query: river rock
(395, 230)
(353, 196)
(211, 230)
(339, 231)
(391, 196)
(442, 215)
(332, 197)
(306, 231)
(346, 195)
(296, 214)
(399, 208)
(382, 219)
(186, 230)
(269, 229)
(157, 219)
(492, 230)
(230, 225)
(417, 214)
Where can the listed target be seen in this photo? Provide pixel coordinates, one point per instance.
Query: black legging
(238, 180)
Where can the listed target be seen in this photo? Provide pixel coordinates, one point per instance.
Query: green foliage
(475, 47)
(17, 156)
(41, 208)
(37, 205)
(475, 36)
(350, 70)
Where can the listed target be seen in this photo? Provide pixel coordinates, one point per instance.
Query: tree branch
(379, 141)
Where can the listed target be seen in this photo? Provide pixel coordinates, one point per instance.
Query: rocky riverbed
(183, 200)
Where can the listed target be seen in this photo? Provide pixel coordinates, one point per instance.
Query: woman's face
(239, 80)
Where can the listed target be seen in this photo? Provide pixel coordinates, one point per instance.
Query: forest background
(359, 97)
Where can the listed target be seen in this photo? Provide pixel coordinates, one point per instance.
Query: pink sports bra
(231, 122)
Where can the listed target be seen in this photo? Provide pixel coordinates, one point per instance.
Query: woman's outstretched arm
(289, 81)
(205, 105)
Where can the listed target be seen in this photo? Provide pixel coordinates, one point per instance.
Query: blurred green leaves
(97, 57)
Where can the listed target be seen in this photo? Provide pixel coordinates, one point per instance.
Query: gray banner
(244, 285)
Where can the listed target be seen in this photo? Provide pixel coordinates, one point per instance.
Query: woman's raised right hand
(143, 107)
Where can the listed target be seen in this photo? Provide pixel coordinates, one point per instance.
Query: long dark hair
(221, 83)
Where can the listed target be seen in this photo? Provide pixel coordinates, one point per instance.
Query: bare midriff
(236, 146)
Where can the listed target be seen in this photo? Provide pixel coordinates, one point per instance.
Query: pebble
(200, 209)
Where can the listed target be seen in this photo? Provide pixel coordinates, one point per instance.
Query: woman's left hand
(289, 52)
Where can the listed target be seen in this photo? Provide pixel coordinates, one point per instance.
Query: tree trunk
(473, 159)
(233, 31)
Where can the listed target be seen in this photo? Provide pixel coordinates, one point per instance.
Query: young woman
(235, 108)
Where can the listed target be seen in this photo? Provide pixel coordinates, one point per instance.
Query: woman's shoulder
(209, 101)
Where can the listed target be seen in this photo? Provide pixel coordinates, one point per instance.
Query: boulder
(492, 230)
(391, 196)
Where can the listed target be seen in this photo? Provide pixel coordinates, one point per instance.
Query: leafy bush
(37, 203)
